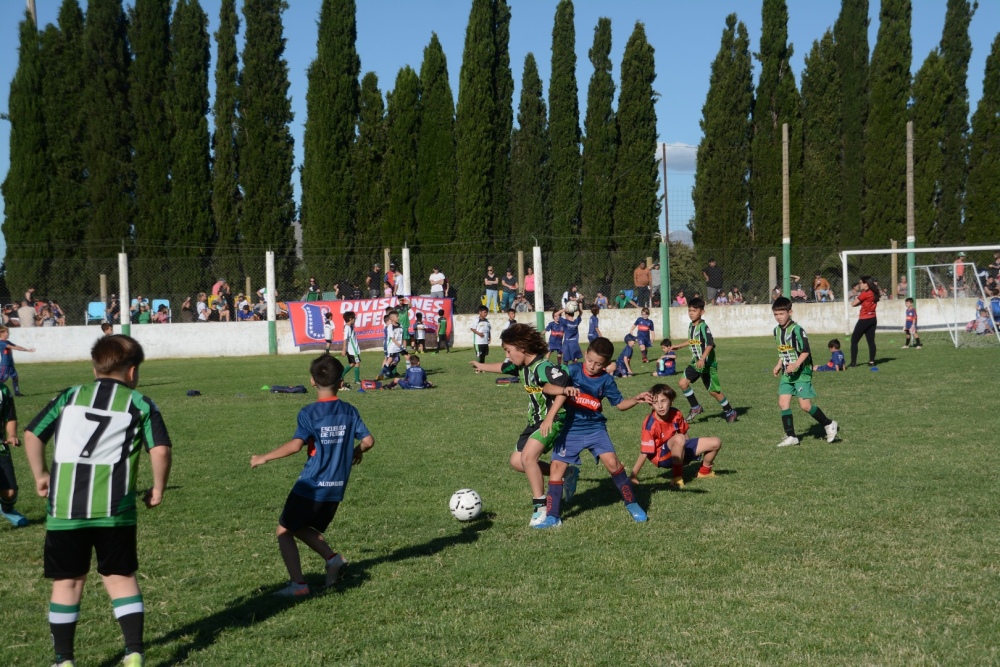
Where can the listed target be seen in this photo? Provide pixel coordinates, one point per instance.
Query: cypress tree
(108, 144)
(149, 84)
(226, 195)
(190, 232)
(932, 89)
(821, 148)
(476, 148)
(637, 206)
(982, 199)
(600, 147)
(503, 121)
(403, 120)
(885, 134)
(265, 142)
(65, 130)
(720, 189)
(850, 34)
(564, 132)
(530, 160)
(25, 189)
(956, 50)
(435, 210)
(368, 162)
(331, 119)
(777, 102)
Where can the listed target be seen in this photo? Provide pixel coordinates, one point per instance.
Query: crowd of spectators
(33, 312)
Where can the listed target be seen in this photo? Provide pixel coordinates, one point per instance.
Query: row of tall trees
(847, 136)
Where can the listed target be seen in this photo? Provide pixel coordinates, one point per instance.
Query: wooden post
(520, 271)
(772, 276)
(249, 291)
(104, 288)
(895, 269)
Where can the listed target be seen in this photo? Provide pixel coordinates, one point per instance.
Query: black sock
(788, 423)
(916, 339)
(818, 415)
(62, 625)
(907, 340)
(17, 387)
(692, 399)
(131, 616)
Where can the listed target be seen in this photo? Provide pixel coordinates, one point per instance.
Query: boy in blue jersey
(595, 324)
(586, 429)
(416, 377)
(837, 361)
(571, 352)
(910, 329)
(7, 370)
(555, 330)
(8, 480)
(667, 364)
(622, 368)
(643, 328)
(328, 428)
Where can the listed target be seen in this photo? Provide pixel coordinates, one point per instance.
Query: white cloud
(680, 157)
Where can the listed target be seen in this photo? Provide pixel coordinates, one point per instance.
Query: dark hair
(328, 315)
(482, 308)
(349, 316)
(326, 371)
(525, 338)
(440, 312)
(116, 354)
(663, 390)
(602, 347)
(554, 312)
(391, 311)
(835, 344)
(666, 341)
(594, 310)
(781, 303)
(872, 285)
(419, 316)
(414, 359)
(511, 310)
(629, 338)
(696, 302)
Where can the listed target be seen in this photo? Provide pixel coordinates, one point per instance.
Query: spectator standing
(654, 280)
(509, 285)
(492, 284)
(529, 286)
(373, 280)
(217, 287)
(713, 280)
(821, 288)
(29, 297)
(641, 279)
(960, 271)
(437, 283)
(26, 313)
(392, 277)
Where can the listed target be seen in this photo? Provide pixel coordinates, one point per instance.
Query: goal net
(970, 313)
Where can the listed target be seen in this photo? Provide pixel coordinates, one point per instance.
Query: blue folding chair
(155, 306)
(95, 312)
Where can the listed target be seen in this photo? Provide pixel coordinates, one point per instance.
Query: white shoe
(831, 431)
(293, 590)
(333, 567)
(790, 441)
(537, 517)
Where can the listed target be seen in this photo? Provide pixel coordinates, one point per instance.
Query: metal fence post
(536, 261)
(272, 327)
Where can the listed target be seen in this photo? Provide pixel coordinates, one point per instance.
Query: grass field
(880, 549)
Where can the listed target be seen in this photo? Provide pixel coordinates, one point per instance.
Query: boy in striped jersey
(351, 349)
(97, 431)
(703, 364)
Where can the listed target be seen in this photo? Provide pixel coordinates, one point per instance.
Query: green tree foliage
(982, 198)
(435, 209)
(503, 120)
(399, 224)
(637, 205)
(25, 189)
(821, 148)
(108, 144)
(777, 103)
(932, 89)
(850, 34)
(600, 147)
(149, 89)
(226, 195)
(723, 162)
(190, 230)
(265, 142)
(530, 161)
(331, 118)
(368, 161)
(956, 50)
(885, 133)
(564, 132)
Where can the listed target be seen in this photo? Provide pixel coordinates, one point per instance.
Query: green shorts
(532, 432)
(799, 386)
(709, 376)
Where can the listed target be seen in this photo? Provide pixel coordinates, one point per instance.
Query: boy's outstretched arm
(293, 446)
(366, 443)
(630, 403)
(160, 459)
(22, 349)
(34, 448)
(487, 368)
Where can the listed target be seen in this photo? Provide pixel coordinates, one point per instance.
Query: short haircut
(696, 302)
(441, 312)
(629, 338)
(833, 344)
(326, 371)
(392, 311)
(511, 310)
(483, 308)
(908, 300)
(781, 303)
(602, 347)
(419, 316)
(554, 313)
(414, 359)
(116, 354)
(349, 316)
(663, 390)
(4, 330)
(644, 310)
(594, 310)
(525, 338)
(665, 343)
(104, 327)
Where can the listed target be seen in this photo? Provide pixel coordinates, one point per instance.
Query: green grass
(880, 549)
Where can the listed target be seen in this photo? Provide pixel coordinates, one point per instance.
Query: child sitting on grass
(623, 367)
(328, 428)
(837, 361)
(416, 377)
(667, 364)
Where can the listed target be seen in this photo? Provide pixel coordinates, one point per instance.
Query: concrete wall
(239, 339)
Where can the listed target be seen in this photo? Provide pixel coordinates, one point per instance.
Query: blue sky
(684, 34)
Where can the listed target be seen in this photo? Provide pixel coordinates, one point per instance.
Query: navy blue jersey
(592, 332)
(644, 327)
(6, 354)
(555, 333)
(837, 359)
(585, 412)
(416, 378)
(329, 428)
(571, 328)
(626, 353)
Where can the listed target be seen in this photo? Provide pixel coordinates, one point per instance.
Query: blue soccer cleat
(637, 512)
(550, 522)
(16, 519)
(569, 482)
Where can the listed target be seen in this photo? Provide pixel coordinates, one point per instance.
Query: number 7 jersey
(97, 431)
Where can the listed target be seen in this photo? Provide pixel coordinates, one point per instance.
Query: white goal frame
(955, 326)
(847, 254)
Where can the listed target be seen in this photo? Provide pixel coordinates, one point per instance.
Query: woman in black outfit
(867, 321)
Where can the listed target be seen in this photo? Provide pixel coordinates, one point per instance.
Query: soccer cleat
(333, 569)
(789, 441)
(293, 590)
(548, 522)
(831, 431)
(569, 482)
(537, 517)
(694, 413)
(677, 483)
(732, 416)
(706, 475)
(347, 386)
(638, 514)
(134, 660)
(16, 519)
(379, 377)
(919, 347)
(906, 347)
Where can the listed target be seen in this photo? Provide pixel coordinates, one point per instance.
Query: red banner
(307, 318)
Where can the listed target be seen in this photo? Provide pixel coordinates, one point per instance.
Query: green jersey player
(351, 349)
(703, 364)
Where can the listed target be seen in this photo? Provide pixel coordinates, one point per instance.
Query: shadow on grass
(719, 416)
(260, 604)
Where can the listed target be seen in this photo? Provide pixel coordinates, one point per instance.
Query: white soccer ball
(465, 504)
(572, 307)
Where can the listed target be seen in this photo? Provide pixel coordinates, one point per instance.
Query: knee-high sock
(624, 486)
(131, 615)
(62, 625)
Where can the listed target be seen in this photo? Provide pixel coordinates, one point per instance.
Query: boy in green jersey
(351, 350)
(703, 364)
(98, 431)
(795, 369)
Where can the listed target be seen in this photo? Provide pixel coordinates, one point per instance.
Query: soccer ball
(465, 504)
(572, 307)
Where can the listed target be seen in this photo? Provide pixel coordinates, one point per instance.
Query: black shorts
(692, 374)
(302, 512)
(67, 552)
(351, 360)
